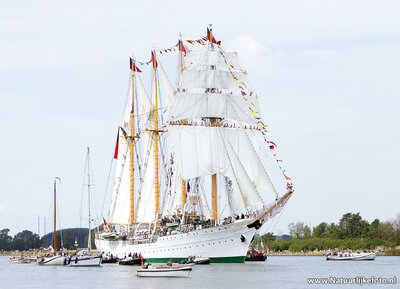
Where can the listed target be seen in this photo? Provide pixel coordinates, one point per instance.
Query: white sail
(173, 199)
(218, 105)
(145, 105)
(214, 58)
(203, 203)
(169, 90)
(145, 212)
(206, 79)
(119, 210)
(243, 186)
(204, 150)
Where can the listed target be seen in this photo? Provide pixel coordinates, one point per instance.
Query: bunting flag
(133, 66)
(116, 147)
(245, 91)
(182, 47)
(153, 59)
(211, 38)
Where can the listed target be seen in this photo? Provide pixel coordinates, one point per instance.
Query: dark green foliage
(27, 240)
(343, 235)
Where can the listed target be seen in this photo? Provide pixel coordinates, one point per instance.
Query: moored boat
(170, 271)
(131, 261)
(201, 260)
(85, 258)
(53, 260)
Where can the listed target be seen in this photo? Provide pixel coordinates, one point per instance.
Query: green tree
(349, 224)
(373, 228)
(307, 232)
(5, 240)
(321, 230)
(18, 244)
(333, 231)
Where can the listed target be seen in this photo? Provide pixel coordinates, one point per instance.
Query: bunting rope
(245, 91)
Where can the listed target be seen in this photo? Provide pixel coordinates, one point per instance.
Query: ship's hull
(86, 261)
(53, 261)
(222, 244)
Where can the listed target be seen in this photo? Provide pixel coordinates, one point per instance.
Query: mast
(55, 213)
(214, 176)
(131, 148)
(88, 176)
(156, 181)
(358, 238)
(183, 121)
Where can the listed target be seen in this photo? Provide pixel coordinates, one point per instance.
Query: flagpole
(156, 181)
(214, 176)
(131, 148)
(183, 121)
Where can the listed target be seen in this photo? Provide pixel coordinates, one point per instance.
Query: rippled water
(277, 272)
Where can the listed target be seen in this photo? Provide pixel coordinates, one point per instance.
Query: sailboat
(206, 132)
(56, 259)
(85, 258)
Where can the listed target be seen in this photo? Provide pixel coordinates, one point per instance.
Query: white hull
(52, 261)
(352, 257)
(224, 243)
(86, 261)
(164, 272)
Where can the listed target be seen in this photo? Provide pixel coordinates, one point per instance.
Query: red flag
(211, 38)
(141, 259)
(153, 59)
(116, 147)
(182, 47)
(105, 223)
(133, 66)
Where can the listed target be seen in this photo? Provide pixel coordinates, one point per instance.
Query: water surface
(277, 272)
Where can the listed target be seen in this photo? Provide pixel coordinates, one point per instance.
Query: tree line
(27, 240)
(342, 235)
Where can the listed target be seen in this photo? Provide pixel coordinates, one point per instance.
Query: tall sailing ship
(195, 173)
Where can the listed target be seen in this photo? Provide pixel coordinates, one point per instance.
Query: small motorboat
(109, 259)
(131, 261)
(169, 271)
(201, 260)
(349, 256)
(15, 259)
(255, 257)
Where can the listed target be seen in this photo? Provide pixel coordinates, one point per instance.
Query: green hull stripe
(237, 259)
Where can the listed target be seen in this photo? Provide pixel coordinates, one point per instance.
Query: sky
(326, 73)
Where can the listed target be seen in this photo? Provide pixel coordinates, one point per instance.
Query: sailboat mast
(156, 181)
(88, 176)
(214, 176)
(131, 148)
(55, 208)
(183, 121)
